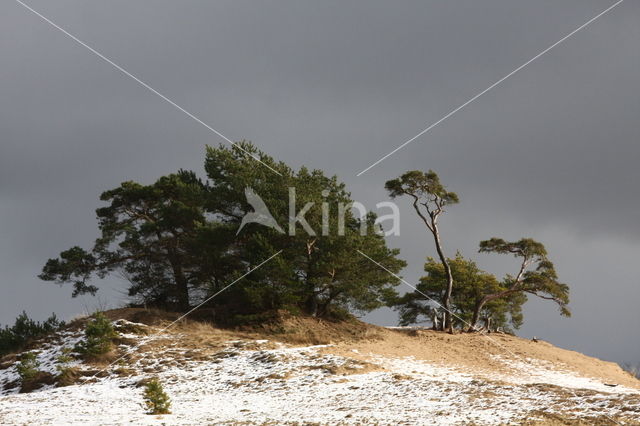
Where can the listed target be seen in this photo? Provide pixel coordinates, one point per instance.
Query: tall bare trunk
(432, 225)
(446, 299)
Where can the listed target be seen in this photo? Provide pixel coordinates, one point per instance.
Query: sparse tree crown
(424, 186)
(526, 248)
(537, 274)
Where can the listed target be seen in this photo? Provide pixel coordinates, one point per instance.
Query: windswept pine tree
(430, 198)
(180, 240)
(536, 275)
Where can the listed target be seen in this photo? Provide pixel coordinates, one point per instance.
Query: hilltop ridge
(301, 370)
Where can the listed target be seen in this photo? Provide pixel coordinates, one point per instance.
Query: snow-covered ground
(257, 382)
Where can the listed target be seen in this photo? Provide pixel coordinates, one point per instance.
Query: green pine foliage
(155, 398)
(322, 274)
(99, 334)
(536, 274)
(182, 239)
(65, 358)
(177, 242)
(28, 366)
(24, 330)
(471, 286)
(146, 234)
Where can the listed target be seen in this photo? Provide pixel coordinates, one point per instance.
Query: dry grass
(68, 376)
(41, 379)
(480, 354)
(316, 331)
(8, 360)
(475, 353)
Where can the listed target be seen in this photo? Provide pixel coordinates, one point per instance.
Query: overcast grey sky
(552, 153)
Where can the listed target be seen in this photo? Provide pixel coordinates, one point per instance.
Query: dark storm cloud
(552, 153)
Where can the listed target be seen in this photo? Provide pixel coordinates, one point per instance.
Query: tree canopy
(536, 274)
(179, 240)
(182, 240)
(319, 268)
(147, 234)
(471, 285)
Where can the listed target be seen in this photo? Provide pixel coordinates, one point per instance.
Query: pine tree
(319, 270)
(178, 241)
(99, 334)
(430, 198)
(24, 329)
(146, 231)
(28, 366)
(155, 398)
(536, 275)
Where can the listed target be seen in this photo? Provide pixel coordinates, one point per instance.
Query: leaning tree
(430, 198)
(536, 275)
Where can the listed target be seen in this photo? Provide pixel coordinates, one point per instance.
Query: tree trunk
(182, 286)
(478, 308)
(311, 303)
(476, 313)
(446, 299)
(432, 225)
(487, 324)
(312, 306)
(435, 320)
(182, 291)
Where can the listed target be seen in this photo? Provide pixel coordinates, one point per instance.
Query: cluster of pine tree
(176, 241)
(455, 293)
(24, 330)
(183, 239)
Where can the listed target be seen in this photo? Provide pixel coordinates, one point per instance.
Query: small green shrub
(99, 335)
(65, 358)
(28, 366)
(67, 375)
(155, 399)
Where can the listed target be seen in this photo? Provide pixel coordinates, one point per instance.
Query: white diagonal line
(183, 316)
(495, 342)
(142, 83)
(497, 83)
